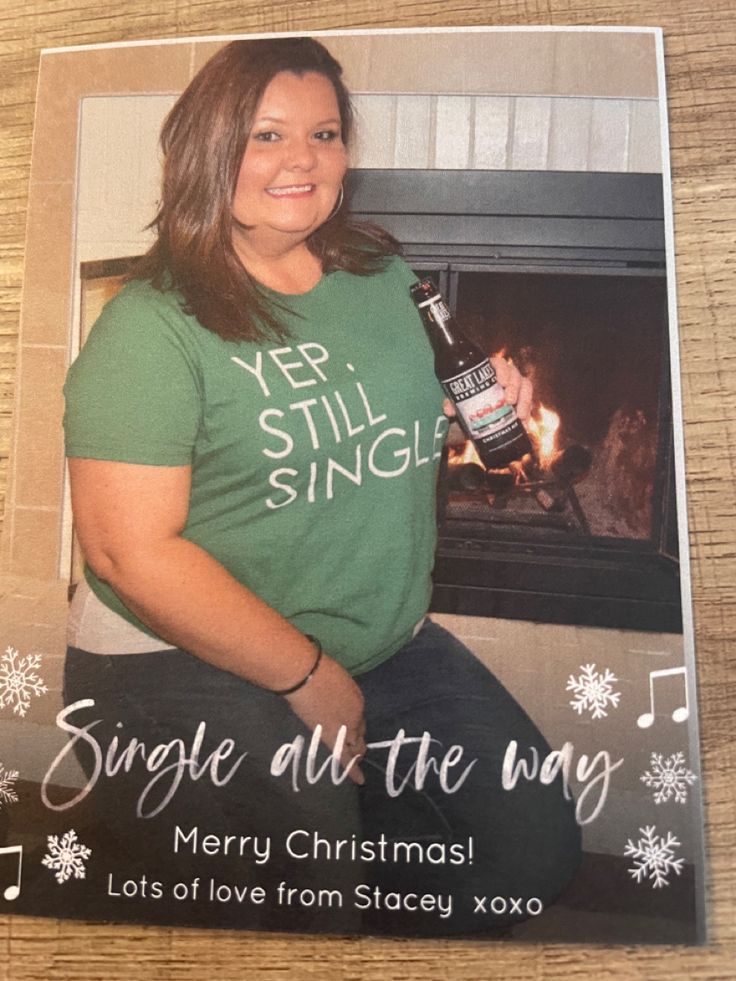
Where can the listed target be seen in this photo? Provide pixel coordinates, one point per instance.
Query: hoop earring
(339, 200)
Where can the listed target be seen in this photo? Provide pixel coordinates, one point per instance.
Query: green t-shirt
(313, 460)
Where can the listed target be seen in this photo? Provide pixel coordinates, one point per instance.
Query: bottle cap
(424, 292)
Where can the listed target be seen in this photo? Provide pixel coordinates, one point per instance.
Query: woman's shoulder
(398, 277)
(392, 270)
(141, 337)
(141, 325)
(143, 314)
(140, 297)
(397, 266)
(386, 285)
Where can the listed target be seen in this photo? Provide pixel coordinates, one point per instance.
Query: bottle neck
(438, 319)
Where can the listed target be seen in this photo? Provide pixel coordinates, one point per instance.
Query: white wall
(119, 171)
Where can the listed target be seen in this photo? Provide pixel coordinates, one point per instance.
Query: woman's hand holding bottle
(519, 389)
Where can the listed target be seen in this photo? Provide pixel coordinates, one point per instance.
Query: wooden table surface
(701, 68)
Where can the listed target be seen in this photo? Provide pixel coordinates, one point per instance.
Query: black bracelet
(307, 677)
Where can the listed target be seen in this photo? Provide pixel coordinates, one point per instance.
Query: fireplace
(566, 274)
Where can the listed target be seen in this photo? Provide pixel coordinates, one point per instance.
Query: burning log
(565, 468)
(500, 486)
(467, 477)
(546, 475)
(571, 463)
(500, 482)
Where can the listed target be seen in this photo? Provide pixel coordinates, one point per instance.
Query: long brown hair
(203, 141)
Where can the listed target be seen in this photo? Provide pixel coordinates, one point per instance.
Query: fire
(543, 426)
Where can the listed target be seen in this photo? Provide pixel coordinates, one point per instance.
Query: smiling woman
(289, 181)
(253, 430)
(259, 120)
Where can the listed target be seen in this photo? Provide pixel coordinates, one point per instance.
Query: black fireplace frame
(543, 222)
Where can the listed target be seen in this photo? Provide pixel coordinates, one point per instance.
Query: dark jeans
(525, 841)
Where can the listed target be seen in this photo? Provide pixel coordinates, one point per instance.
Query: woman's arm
(129, 520)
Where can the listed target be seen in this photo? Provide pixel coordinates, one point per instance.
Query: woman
(253, 429)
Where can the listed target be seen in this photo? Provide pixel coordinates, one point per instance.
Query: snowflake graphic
(7, 790)
(593, 691)
(654, 856)
(669, 777)
(66, 857)
(18, 680)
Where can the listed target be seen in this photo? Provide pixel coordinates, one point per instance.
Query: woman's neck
(293, 270)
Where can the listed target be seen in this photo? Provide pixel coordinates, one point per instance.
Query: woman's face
(294, 160)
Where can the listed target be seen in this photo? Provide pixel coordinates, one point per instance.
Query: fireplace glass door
(585, 530)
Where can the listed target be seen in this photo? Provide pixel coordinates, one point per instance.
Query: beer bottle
(469, 381)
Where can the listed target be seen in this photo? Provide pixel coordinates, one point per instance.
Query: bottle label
(480, 401)
(437, 309)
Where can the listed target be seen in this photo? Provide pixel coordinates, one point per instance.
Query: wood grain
(700, 37)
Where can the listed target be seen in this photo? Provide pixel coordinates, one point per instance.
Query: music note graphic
(12, 892)
(680, 714)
